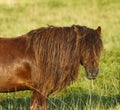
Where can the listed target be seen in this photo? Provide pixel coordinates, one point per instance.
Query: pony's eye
(81, 62)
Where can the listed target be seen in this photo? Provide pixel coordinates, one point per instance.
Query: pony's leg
(38, 102)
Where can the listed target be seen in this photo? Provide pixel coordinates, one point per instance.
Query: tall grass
(19, 16)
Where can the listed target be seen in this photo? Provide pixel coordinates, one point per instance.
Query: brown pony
(45, 60)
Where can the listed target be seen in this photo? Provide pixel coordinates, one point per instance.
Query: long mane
(57, 55)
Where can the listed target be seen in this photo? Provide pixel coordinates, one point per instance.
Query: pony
(47, 59)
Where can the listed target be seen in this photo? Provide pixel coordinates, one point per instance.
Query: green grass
(20, 16)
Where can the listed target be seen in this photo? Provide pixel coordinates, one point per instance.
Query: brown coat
(45, 60)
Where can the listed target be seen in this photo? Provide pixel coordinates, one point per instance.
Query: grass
(19, 17)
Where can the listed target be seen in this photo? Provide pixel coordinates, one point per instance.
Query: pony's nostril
(90, 74)
(96, 72)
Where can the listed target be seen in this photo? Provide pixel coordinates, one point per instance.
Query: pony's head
(90, 48)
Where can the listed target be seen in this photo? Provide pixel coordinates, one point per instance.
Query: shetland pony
(47, 59)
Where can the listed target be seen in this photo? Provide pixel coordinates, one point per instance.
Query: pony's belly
(16, 77)
(10, 84)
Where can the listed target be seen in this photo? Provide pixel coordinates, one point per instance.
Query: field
(20, 16)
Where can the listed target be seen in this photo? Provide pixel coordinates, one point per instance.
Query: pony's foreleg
(38, 102)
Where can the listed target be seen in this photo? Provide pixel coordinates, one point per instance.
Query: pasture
(19, 17)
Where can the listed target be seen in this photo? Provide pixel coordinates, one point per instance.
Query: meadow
(20, 16)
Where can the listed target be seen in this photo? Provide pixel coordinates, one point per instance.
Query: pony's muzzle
(92, 73)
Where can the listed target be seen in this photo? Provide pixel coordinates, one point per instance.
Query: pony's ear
(76, 29)
(80, 32)
(98, 30)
